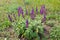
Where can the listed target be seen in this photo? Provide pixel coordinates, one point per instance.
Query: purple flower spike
(19, 11)
(22, 14)
(10, 18)
(32, 14)
(36, 10)
(26, 23)
(43, 10)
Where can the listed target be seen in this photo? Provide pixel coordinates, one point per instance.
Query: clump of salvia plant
(25, 29)
(31, 32)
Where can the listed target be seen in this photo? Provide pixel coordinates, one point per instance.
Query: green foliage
(27, 2)
(55, 33)
(51, 23)
(12, 8)
(30, 33)
(19, 27)
(4, 25)
(51, 16)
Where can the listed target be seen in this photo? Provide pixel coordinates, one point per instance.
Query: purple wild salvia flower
(36, 10)
(9, 17)
(22, 14)
(19, 11)
(26, 23)
(32, 14)
(43, 10)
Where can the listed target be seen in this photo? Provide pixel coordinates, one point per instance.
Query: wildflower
(10, 18)
(36, 10)
(22, 14)
(26, 23)
(43, 10)
(32, 14)
(19, 11)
